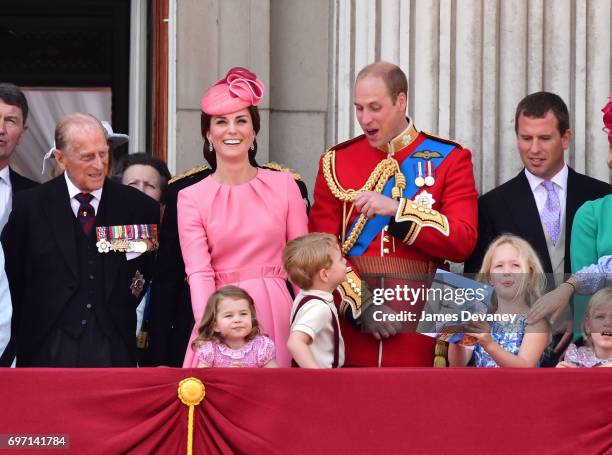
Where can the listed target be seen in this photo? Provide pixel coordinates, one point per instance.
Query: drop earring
(210, 147)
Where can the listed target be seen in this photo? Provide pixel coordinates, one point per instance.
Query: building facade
(468, 63)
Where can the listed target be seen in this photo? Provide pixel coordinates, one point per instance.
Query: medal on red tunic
(419, 180)
(429, 179)
(425, 199)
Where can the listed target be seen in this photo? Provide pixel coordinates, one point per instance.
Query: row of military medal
(426, 179)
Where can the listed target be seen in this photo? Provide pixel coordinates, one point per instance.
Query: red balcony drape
(358, 411)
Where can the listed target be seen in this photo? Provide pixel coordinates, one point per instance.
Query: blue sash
(409, 168)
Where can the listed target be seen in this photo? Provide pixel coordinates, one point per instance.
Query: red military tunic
(448, 231)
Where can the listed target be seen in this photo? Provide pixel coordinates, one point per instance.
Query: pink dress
(256, 353)
(235, 234)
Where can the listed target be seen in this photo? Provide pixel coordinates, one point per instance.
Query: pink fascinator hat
(607, 118)
(239, 89)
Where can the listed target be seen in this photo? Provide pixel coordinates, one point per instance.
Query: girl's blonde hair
(535, 284)
(600, 298)
(206, 330)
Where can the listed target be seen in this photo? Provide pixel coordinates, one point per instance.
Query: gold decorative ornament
(188, 173)
(191, 392)
(273, 165)
(411, 236)
(120, 245)
(350, 290)
(440, 354)
(376, 182)
(402, 140)
(421, 217)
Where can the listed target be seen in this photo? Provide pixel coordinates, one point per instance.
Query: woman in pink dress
(234, 224)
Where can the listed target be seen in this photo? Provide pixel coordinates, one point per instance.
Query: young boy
(314, 264)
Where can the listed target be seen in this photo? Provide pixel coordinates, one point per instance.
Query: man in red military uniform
(401, 202)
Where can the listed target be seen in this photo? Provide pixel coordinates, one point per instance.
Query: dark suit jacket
(511, 208)
(19, 182)
(41, 261)
(170, 314)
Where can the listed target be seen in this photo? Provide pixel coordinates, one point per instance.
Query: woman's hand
(551, 304)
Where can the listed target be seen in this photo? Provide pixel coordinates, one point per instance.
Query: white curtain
(47, 106)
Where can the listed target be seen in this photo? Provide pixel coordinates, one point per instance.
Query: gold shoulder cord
(376, 182)
(279, 167)
(188, 173)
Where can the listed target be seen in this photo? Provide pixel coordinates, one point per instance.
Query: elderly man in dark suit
(78, 258)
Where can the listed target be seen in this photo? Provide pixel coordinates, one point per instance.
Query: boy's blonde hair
(600, 298)
(206, 329)
(305, 256)
(535, 284)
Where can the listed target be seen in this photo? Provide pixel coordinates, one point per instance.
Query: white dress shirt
(6, 198)
(540, 194)
(315, 320)
(6, 308)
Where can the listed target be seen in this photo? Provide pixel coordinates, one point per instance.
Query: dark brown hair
(13, 96)
(206, 329)
(211, 157)
(538, 104)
